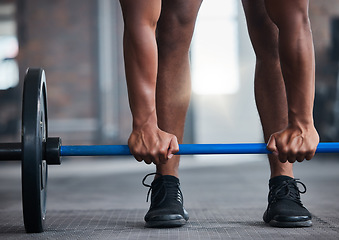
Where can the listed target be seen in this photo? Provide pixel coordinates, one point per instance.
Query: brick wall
(61, 37)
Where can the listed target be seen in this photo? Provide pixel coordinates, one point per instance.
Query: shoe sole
(166, 224)
(275, 223)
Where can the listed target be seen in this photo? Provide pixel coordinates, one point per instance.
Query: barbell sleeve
(10, 151)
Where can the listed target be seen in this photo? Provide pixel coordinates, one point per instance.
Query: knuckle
(270, 148)
(293, 152)
(141, 152)
(136, 150)
(153, 152)
(162, 151)
(283, 150)
(309, 156)
(302, 152)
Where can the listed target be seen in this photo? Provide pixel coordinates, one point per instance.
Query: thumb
(173, 147)
(272, 146)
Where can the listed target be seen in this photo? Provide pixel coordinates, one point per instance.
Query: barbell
(36, 150)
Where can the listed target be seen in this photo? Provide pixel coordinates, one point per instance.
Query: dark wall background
(322, 15)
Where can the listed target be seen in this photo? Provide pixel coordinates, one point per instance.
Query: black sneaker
(284, 205)
(166, 208)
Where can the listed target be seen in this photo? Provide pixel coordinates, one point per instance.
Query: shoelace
(147, 185)
(172, 189)
(288, 190)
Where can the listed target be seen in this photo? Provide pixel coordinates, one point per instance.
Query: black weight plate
(34, 135)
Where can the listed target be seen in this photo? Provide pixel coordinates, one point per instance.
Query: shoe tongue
(279, 179)
(167, 178)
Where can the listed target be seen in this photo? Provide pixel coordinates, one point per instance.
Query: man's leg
(269, 85)
(299, 140)
(174, 34)
(147, 142)
(173, 90)
(272, 77)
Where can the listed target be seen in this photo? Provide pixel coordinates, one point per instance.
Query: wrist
(300, 118)
(302, 124)
(145, 119)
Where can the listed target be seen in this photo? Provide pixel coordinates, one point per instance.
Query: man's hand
(152, 145)
(294, 143)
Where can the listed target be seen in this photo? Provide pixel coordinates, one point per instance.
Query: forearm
(147, 142)
(140, 52)
(299, 139)
(296, 54)
(297, 63)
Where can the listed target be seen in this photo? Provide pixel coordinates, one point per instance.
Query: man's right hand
(152, 145)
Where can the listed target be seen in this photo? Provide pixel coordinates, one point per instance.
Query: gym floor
(104, 199)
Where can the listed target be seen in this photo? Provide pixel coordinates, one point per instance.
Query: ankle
(277, 174)
(280, 169)
(170, 168)
(166, 172)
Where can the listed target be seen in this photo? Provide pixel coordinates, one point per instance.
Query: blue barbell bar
(186, 149)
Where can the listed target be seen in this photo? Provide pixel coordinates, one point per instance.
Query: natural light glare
(215, 67)
(9, 72)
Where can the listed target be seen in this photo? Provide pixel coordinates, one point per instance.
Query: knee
(264, 38)
(298, 23)
(137, 17)
(175, 34)
(175, 27)
(134, 24)
(179, 14)
(291, 16)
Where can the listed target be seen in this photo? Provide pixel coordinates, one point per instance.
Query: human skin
(284, 79)
(157, 37)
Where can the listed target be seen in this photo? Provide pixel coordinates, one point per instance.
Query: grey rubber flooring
(104, 199)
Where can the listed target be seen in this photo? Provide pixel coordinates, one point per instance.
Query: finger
(163, 155)
(134, 150)
(147, 159)
(283, 158)
(157, 155)
(136, 155)
(288, 154)
(288, 160)
(173, 147)
(272, 146)
(300, 157)
(292, 158)
(310, 155)
(282, 155)
(138, 158)
(292, 153)
(157, 161)
(162, 159)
